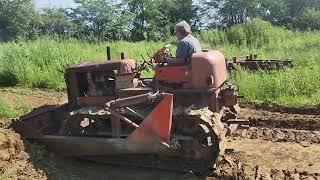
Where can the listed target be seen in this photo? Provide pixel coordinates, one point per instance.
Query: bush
(256, 34)
(7, 78)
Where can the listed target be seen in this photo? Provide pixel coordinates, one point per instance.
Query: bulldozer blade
(150, 137)
(92, 146)
(24, 129)
(157, 125)
(40, 121)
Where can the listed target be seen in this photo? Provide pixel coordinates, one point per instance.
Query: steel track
(179, 164)
(199, 168)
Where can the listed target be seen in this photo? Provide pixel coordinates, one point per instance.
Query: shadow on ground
(60, 168)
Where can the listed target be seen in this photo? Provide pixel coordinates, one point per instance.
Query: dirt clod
(10, 144)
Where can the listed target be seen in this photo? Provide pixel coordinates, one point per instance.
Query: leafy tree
(97, 17)
(56, 21)
(119, 24)
(155, 19)
(297, 12)
(17, 18)
(275, 11)
(142, 12)
(183, 10)
(308, 20)
(296, 7)
(149, 19)
(287, 13)
(233, 12)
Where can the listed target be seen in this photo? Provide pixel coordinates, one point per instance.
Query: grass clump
(6, 111)
(22, 107)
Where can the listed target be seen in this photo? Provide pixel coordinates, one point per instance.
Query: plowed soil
(281, 127)
(276, 146)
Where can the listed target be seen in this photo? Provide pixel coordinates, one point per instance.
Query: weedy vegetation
(40, 63)
(297, 87)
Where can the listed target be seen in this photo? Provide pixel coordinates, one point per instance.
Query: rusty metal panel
(94, 66)
(172, 74)
(124, 81)
(43, 120)
(157, 125)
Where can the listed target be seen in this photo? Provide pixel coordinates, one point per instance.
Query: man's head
(182, 29)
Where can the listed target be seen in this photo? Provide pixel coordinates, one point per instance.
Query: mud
(280, 127)
(263, 118)
(278, 145)
(257, 159)
(298, 122)
(244, 159)
(284, 109)
(232, 168)
(14, 160)
(29, 160)
(10, 144)
(280, 135)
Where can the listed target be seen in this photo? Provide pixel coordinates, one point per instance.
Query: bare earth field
(276, 146)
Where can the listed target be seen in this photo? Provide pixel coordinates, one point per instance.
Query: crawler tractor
(174, 121)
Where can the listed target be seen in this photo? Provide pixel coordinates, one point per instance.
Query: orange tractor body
(172, 121)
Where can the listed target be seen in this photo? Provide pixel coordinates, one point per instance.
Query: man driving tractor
(187, 45)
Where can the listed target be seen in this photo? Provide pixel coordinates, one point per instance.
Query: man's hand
(159, 56)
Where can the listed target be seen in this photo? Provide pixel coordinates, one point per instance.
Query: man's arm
(181, 54)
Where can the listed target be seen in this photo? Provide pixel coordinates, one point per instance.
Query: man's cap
(182, 25)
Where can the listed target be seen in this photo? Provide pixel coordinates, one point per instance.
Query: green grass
(296, 87)
(6, 111)
(20, 107)
(40, 63)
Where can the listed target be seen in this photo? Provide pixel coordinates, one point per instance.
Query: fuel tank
(208, 69)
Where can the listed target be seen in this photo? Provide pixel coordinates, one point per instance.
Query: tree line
(136, 20)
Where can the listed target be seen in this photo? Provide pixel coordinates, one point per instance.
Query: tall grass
(40, 63)
(299, 86)
(290, 87)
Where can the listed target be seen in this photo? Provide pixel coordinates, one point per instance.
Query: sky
(54, 3)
